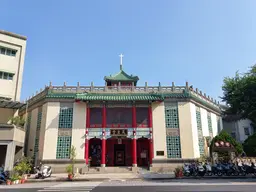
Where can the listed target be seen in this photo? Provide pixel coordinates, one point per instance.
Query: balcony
(12, 133)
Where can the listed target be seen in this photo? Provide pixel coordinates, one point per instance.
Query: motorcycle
(43, 171)
(200, 170)
(250, 169)
(208, 169)
(190, 170)
(217, 169)
(4, 175)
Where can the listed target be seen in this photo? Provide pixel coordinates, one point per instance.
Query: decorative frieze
(65, 132)
(172, 132)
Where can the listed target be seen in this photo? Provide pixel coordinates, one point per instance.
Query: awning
(117, 97)
(11, 104)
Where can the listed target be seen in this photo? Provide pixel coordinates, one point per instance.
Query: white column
(32, 132)
(159, 129)
(78, 130)
(214, 124)
(9, 158)
(204, 120)
(51, 130)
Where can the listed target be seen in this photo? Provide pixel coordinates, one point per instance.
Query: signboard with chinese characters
(119, 132)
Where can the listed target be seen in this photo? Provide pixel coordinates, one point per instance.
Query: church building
(119, 124)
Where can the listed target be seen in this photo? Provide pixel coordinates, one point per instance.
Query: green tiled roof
(118, 97)
(61, 95)
(121, 76)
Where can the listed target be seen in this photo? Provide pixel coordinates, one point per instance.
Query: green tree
(250, 146)
(240, 94)
(224, 136)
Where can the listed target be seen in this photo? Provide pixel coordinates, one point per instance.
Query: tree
(240, 94)
(250, 146)
(224, 136)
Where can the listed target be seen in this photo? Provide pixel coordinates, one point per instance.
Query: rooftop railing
(122, 89)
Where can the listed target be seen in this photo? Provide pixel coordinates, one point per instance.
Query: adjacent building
(239, 129)
(119, 124)
(12, 54)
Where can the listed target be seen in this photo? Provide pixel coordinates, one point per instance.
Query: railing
(124, 89)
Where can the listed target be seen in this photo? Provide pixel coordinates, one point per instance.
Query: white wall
(214, 124)
(78, 130)
(12, 64)
(159, 129)
(194, 130)
(204, 120)
(51, 130)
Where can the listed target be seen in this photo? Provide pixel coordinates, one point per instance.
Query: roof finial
(121, 61)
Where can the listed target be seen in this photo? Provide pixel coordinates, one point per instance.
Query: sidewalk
(87, 177)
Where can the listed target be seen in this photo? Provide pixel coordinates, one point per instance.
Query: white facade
(12, 55)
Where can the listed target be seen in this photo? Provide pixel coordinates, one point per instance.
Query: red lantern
(221, 143)
(227, 144)
(217, 144)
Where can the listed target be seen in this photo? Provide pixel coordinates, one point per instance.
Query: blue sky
(163, 41)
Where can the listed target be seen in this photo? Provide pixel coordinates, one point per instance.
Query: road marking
(76, 186)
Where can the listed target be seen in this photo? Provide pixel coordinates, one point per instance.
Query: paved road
(138, 186)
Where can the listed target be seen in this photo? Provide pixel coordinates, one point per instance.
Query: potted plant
(178, 172)
(23, 167)
(8, 182)
(69, 170)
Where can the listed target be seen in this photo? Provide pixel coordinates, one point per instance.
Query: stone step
(110, 170)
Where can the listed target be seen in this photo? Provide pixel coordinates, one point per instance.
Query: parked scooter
(217, 169)
(4, 175)
(43, 171)
(190, 170)
(201, 170)
(208, 169)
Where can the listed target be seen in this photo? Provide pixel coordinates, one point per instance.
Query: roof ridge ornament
(121, 61)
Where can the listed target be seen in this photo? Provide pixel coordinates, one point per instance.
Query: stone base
(134, 169)
(102, 169)
(167, 165)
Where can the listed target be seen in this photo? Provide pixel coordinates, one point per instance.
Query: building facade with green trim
(120, 124)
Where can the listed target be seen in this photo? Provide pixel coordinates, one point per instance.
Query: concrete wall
(159, 130)
(32, 133)
(78, 130)
(19, 135)
(51, 131)
(12, 88)
(5, 114)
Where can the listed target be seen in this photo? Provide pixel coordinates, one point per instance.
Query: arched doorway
(118, 152)
(143, 152)
(95, 151)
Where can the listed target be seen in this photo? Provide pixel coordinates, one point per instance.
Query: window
(13, 53)
(5, 75)
(246, 131)
(9, 52)
(233, 134)
(10, 76)
(66, 117)
(2, 50)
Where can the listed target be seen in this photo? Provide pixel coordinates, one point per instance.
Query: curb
(200, 178)
(77, 180)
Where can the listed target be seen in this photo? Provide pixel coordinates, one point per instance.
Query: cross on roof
(121, 61)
